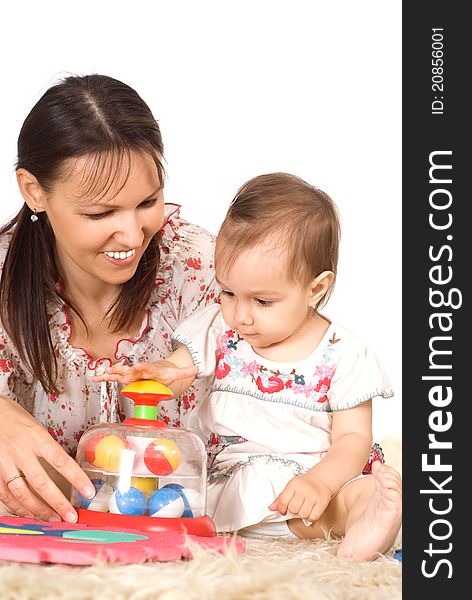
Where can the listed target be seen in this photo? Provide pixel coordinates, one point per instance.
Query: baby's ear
(31, 190)
(319, 287)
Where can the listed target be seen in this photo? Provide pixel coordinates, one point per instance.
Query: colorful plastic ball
(193, 500)
(180, 490)
(166, 502)
(162, 456)
(108, 453)
(132, 502)
(147, 485)
(174, 486)
(194, 505)
(90, 445)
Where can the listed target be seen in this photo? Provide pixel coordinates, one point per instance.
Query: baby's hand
(303, 496)
(163, 371)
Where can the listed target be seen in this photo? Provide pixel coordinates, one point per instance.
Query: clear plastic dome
(141, 467)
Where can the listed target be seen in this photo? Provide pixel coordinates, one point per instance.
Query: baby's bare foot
(376, 528)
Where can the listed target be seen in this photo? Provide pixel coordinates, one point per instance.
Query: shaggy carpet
(273, 570)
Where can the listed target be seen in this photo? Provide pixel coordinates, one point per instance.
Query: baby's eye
(149, 203)
(227, 293)
(264, 302)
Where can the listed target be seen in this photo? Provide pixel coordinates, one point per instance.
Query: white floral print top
(184, 282)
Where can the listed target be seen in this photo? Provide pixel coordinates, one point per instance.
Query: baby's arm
(177, 371)
(308, 495)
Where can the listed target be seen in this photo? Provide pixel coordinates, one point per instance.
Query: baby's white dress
(269, 421)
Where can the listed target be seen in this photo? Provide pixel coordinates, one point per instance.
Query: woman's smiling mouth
(121, 257)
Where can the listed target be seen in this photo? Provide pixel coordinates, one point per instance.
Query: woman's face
(101, 240)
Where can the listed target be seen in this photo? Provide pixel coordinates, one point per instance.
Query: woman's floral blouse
(184, 282)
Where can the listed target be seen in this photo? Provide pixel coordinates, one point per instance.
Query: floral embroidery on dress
(271, 381)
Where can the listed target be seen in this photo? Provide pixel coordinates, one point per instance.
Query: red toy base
(30, 541)
(201, 526)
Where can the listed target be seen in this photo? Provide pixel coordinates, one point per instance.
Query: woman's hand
(25, 487)
(163, 371)
(304, 496)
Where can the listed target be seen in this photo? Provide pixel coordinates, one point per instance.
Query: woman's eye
(97, 216)
(145, 204)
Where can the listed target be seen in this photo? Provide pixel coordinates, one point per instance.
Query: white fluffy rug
(278, 570)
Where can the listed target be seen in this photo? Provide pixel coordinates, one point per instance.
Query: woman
(97, 270)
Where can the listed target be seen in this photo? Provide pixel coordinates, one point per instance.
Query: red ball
(90, 445)
(162, 457)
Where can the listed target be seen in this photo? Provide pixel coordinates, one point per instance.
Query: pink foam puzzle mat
(31, 541)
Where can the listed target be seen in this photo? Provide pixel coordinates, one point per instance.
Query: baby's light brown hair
(289, 212)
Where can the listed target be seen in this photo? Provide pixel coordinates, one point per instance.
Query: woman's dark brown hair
(93, 115)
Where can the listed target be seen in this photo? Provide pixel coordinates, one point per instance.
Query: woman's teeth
(120, 255)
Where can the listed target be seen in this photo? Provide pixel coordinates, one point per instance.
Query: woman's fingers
(40, 495)
(44, 487)
(11, 505)
(23, 502)
(34, 490)
(23, 442)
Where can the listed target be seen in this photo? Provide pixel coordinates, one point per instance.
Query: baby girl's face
(259, 301)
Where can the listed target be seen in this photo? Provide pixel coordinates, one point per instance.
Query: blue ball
(166, 502)
(181, 491)
(195, 506)
(131, 502)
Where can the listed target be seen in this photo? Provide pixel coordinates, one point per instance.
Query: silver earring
(34, 217)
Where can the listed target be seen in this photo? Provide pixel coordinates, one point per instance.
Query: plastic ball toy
(147, 485)
(89, 448)
(193, 501)
(162, 457)
(148, 476)
(166, 502)
(132, 502)
(104, 452)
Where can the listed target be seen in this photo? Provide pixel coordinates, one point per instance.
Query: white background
(243, 88)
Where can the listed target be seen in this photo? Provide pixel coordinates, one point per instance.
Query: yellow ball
(147, 485)
(108, 453)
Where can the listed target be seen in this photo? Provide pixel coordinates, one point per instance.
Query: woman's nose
(130, 232)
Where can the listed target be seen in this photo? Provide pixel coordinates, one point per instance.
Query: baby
(289, 417)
